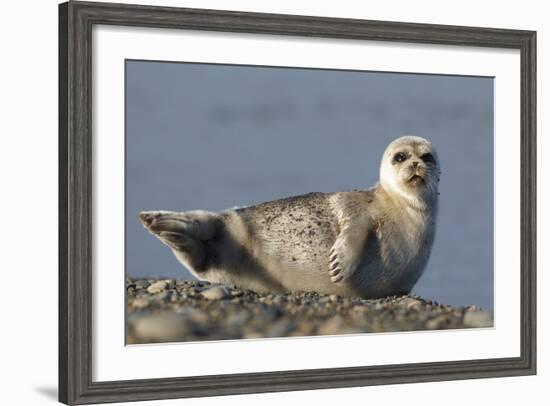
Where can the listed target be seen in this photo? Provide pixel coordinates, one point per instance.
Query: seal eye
(399, 157)
(428, 158)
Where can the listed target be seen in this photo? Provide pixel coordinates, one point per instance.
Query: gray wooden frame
(76, 20)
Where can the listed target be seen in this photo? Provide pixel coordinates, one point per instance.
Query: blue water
(213, 136)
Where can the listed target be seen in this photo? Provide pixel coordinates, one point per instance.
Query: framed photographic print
(280, 202)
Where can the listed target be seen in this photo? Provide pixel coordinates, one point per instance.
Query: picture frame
(76, 351)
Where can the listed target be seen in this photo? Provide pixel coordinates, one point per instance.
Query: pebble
(281, 328)
(216, 293)
(437, 322)
(238, 320)
(337, 325)
(161, 296)
(196, 315)
(478, 319)
(140, 303)
(333, 325)
(161, 327)
(278, 300)
(141, 284)
(252, 334)
(157, 287)
(411, 303)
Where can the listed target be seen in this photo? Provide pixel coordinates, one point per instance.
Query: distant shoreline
(168, 310)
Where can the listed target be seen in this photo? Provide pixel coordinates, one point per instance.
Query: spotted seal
(369, 243)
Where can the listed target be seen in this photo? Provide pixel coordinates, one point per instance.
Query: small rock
(157, 287)
(161, 296)
(251, 334)
(141, 284)
(140, 303)
(161, 328)
(411, 303)
(278, 300)
(333, 325)
(281, 328)
(190, 313)
(216, 293)
(437, 322)
(337, 325)
(478, 319)
(238, 320)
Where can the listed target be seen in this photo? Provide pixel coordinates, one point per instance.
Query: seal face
(369, 243)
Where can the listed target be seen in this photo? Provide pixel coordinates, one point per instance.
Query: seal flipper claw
(346, 253)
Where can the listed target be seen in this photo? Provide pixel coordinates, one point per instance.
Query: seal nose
(415, 164)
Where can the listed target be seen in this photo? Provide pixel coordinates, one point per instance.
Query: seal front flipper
(347, 251)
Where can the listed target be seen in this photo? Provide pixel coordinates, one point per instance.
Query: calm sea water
(212, 137)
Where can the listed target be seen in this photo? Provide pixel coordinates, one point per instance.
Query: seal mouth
(415, 179)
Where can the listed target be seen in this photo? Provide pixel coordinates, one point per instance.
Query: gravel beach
(167, 310)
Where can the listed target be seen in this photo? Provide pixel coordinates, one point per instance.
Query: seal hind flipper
(185, 233)
(189, 250)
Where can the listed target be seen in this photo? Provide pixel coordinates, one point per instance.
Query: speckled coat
(285, 244)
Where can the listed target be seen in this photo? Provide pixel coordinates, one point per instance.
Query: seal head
(410, 169)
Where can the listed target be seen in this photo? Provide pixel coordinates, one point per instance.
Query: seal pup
(369, 243)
